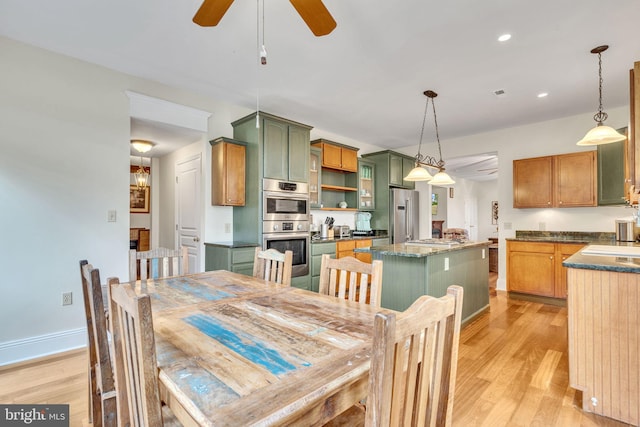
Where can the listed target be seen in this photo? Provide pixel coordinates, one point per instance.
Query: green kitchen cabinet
(286, 150)
(315, 177)
(366, 185)
(612, 173)
(399, 167)
(317, 250)
(236, 257)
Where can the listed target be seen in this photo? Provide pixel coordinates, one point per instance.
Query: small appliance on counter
(626, 230)
(363, 224)
(343, 231)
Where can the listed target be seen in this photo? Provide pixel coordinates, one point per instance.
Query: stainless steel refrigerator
(404, 215)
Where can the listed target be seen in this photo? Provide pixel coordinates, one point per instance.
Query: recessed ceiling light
(542, 95)
(504, 37)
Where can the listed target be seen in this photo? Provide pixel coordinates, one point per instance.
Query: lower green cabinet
(236, 257)
(317, 250)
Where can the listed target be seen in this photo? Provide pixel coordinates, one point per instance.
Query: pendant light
(420, 173)
(600, 134)
(141, 175)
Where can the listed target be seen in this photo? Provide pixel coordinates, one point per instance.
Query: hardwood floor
(512, 371)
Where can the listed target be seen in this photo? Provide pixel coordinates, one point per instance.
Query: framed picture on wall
(138, 199)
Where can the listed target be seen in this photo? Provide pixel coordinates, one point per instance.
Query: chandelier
(141, 175)
(600, 134)
(419, 172)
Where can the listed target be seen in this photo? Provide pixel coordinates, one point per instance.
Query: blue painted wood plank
(244, 344)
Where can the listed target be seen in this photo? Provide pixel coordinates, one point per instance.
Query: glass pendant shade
(418, 174)
(442, 178)
(141, 145)
(601, 134)
(142, 177)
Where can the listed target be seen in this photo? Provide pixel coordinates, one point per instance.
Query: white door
(471, 217)
(188, 208)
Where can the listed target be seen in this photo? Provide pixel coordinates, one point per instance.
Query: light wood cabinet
(535, 268)
(565, 180)
(337, 156)
(227, 172)
(345, 248)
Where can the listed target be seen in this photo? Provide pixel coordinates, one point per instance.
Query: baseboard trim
(42, 345)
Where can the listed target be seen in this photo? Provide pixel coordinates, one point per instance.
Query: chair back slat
(135, 354)
(273, 265)
(102, 402)
(352, 279)
(158, 263)
(414, 363)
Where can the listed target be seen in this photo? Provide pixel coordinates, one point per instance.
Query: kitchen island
(604, 329)
(428, 268)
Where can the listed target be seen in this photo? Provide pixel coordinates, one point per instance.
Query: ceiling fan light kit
(600, 134)
(419, 173)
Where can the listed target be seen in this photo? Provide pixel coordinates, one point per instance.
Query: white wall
(64, 162)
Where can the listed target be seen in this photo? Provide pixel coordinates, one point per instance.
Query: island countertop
(620, 264)
(414, 250)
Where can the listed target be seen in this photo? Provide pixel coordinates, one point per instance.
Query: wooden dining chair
(413, 365)
(352, 279)
(102, 392)
(158, 262)
(135, 360)
(273, 265)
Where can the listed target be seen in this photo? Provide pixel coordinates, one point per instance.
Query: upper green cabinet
(394, 166)
(284, 145)
(613, 172)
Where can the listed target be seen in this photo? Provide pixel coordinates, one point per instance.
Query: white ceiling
(364, 80)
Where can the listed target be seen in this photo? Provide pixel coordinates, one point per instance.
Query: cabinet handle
(548, 203)
(550, 257)
(560, 202)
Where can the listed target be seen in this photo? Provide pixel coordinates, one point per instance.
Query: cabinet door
(575, 179)
(349, 160)
(532, 273)
(533, 182)
(407, 165)
(345, 248)
(364, 257)
(331, 156)
(315, 176)
(563, 251)
(276, 150)
(612, 173)
(366, 186)
(395, 170)
(298, 154)
(235, 174)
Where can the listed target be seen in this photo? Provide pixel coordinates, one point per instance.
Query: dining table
(234, 350)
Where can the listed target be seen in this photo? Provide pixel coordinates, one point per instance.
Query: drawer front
(348, 245)
(365, 243)
(531, 247)
(323, 248)
(238, 256)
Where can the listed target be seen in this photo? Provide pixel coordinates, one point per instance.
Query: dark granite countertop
(419, 251)
(232, 244)
(603, 238)
(618, 264)
(344, 239)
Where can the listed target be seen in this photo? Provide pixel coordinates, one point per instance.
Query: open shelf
(337, 188)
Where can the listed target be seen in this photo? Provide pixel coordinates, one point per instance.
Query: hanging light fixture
(420, 173)
(600, 134)
(141, 175)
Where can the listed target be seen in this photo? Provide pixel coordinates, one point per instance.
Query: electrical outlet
(111, 216)
(67, 298)
(227, 228)
(542, 226)
(483, 255)
(446, 264)
(507, 226)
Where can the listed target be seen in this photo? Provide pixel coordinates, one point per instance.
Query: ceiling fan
(313, 12)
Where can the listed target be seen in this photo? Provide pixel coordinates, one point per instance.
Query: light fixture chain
(424, 119)
(435, 119)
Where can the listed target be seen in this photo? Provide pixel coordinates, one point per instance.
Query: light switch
(111, 216)
(446, 264)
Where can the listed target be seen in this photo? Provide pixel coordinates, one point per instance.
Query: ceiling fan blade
(316, 15)
(211, 12)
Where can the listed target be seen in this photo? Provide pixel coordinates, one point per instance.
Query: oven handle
(281, 236)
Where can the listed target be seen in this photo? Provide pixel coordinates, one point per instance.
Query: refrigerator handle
(407, 219)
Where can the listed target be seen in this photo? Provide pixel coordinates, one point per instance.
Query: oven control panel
(285, 227)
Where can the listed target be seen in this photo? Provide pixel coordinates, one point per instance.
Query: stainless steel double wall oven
(285, 221)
